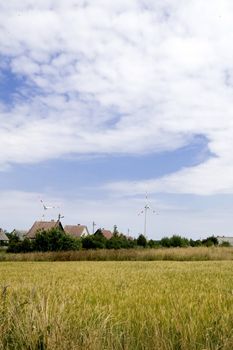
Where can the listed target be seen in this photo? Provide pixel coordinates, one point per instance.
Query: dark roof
(75, 230)
(43, 225)
(3, 236)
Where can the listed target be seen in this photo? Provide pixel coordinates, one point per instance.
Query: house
(106, 233)
(222, 239)
(43, 225)
(20, 233)
(76, 231)
(3, 238)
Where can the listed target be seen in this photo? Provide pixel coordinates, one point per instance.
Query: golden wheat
(116, 305)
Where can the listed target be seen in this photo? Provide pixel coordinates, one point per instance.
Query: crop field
(116, 305)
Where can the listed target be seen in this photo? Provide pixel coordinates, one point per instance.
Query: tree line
(57, 240)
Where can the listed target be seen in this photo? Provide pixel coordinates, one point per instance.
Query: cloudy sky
(102, 101)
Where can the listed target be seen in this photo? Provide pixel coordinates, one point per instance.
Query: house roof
(43, 225)
(3, 236)
(107, 233)
(75, 230)
(20, 233)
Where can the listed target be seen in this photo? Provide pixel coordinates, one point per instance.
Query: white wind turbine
(144, 211)
(46, 207)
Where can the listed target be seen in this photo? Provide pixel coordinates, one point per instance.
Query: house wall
(225, 239)
(85, 232)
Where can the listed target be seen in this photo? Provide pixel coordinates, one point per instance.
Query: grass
(173, 254)
(116, 305)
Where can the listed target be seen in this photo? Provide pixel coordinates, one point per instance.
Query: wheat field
(116, 305)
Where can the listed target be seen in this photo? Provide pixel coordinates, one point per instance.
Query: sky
(104, 101)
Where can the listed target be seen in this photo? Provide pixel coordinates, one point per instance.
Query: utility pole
(93, 227)
(60, 217)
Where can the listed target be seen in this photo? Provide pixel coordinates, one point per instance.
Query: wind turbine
(144, 211)
(46, 207)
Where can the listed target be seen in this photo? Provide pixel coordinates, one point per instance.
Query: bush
(178, 241)
(225, 244)
(26, 246)
(142, 241)
(153, 244)
(120, 242)
(210, 241)
(165, 242)
(55, 240)
(96, 241)
(196, 243)
(51, 240)
(13, 244)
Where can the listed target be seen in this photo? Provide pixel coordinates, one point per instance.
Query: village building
(223, 239)
(3, 238)
(43, 226)
(106, 233)
(19, 233)
(76, 231)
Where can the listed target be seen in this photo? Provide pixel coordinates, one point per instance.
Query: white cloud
(121, 77)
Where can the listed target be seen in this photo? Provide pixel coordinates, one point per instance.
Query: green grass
(116, 305)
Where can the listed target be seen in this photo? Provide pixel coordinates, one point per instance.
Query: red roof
(76, 230)
(107, 233)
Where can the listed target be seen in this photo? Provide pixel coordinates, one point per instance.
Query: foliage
(194, 243)
(51, 240)
(153, 243)
(13, 244)
(178, 241)
(209, 241)
(165, 242)
(225, 244)
(95, 241)
(115, 230)
(120, 242)
(142, 241)
(55, 240)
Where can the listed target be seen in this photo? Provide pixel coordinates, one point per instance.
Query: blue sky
(101, 102)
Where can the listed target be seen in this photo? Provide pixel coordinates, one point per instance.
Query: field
(116, 305)
(168, 254)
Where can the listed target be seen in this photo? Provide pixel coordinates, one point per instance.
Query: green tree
(141, 241)
(95, 241)
(119, 242)
(115, 230)
(178, 241)
(55, 240)
(165, 242)
(13, 244)
(210, 241)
